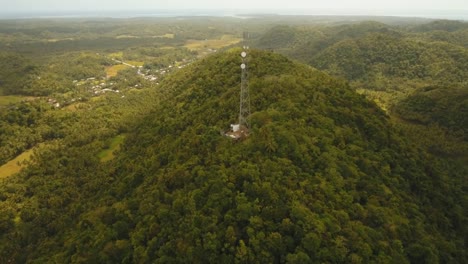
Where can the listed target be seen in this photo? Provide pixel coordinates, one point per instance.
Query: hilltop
(323, 177)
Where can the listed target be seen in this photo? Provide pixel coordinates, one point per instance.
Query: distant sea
(435, 14)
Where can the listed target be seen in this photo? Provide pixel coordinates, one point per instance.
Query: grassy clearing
(15, 165)
(224, 41)
(77, 106)
(116, 55)
(11, 99)
(135, 63)
(113, 70)
(125, 37)
(96, 99)
(57, 40)
(114, 145)
(168, 35)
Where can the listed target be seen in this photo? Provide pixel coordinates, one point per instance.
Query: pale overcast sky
(102, 5)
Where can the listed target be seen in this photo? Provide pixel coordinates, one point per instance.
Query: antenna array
(241, 130)
(244, 108)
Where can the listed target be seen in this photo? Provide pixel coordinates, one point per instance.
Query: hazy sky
(102, 5)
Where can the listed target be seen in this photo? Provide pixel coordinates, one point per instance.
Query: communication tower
(241, 129)
(244, 109)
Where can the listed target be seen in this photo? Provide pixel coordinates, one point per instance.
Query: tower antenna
(241, 129)
(244, 109)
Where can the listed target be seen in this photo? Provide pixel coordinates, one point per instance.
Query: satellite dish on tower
(241, 130)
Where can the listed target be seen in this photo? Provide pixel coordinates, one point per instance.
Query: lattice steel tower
(244, 109)
(241, 129)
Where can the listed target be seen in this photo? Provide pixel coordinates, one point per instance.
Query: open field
(11, 99)
(114, 145)
(125, 36)
(135, 63)
(168, 35)
(116, 55)
(15, 165)
(113, 70)
(224, 41)
(77, 106)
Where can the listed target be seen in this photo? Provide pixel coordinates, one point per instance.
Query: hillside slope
(323, 177)
(416, 73)
(434, 50)
(394, 56)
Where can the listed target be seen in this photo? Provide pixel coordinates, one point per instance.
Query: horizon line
(450, 14)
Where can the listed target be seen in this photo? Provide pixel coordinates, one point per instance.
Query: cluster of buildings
(98, 86)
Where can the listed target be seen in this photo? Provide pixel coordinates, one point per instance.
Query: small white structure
(235, 127)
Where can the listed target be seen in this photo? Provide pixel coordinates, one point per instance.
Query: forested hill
(395, 56)
(416, 73)
(435, 51)
(323, 177)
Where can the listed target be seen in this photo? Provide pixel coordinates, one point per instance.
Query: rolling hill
(323, 177)
(416, 73)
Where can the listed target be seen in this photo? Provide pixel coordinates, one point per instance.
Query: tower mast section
(244, 108)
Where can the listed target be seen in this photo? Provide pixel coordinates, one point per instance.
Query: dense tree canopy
(417, 73)
(323, 177)
(446, 106)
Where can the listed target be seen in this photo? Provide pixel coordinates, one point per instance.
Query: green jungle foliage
(20, 75)
(71, 35)
(447, 107)
(43, 57)
(378, 54)
(324, 177)
(277, 37)
(440, 25)
(416, 73)
(370, 51)
(15, 72)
